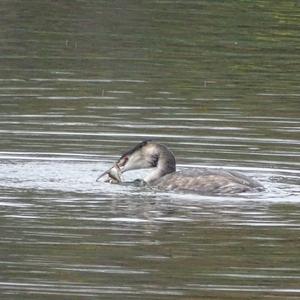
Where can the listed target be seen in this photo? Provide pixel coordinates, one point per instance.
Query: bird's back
(207, 181)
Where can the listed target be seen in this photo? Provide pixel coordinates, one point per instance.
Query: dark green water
(81, 82)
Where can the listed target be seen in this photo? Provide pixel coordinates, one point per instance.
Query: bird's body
(149, 154)
(207, 181)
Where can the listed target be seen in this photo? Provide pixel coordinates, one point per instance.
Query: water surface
(81, 82)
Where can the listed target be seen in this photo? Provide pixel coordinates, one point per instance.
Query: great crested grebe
(149, 154)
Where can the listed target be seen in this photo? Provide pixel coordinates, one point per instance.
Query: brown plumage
(149, 154)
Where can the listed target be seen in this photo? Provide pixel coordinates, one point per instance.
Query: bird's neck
(166, 164)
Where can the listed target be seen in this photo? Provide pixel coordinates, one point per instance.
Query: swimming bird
(150, 154)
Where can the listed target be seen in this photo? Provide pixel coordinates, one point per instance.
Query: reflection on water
(217, 82)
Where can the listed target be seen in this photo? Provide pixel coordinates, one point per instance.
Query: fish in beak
(113, 173)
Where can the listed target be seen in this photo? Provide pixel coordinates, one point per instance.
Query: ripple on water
(57, 222)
